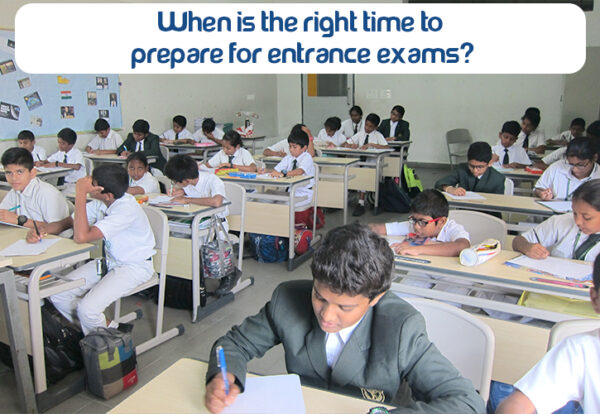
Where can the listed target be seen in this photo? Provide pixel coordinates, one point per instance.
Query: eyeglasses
(580, 166)
(477, 167)
(421, 222)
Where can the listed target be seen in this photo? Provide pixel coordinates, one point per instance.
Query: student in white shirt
(355, 123)
(29, 198)
(330, 136)
(26, 140)
(140, 179)
(282, 148)
(563, 177)
(106, 141)
(531, 138)
(68, 157)
(506, 154)
(208, 132)
(568, 372)
(115, 217)
(232, 154)
(178, 133)
(576, 130)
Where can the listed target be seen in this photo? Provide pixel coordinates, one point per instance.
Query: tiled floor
(198, 338)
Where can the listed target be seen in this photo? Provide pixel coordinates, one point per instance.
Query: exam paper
(560, 206)
(275, 394)
(22, 248)
(469, 196)
(555, 266)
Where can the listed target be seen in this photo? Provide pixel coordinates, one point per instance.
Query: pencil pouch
(480, 253)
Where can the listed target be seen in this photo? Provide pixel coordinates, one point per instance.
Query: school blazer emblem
(373, 395)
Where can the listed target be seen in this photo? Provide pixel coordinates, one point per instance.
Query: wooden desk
(113, 158)
(193, 147)
(367, 179)
(180, 389)
(44, 173)
(503, 204)
(519, 174)
(253, 140)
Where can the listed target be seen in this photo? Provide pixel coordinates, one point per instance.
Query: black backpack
(392, 197)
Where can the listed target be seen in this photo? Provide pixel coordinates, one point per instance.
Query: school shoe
(359, 210)
(227, 283)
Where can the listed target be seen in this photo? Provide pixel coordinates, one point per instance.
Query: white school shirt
(304, 161)
(148, 182)
(335, 342)
(360, 138)
(567, 372)
(561, 180)
(536, 138)
(112, 141)
(348, 127)
(39, 201)
(240, 157)
(38, 153)
(564, 136)
(282, 145)
(555, 155)
(337, 139)
(127, 233)
(199, 136)
(561, 236)
(451, 231)
(74, 156)
(170, 134)
(515, 154)
(208, 185)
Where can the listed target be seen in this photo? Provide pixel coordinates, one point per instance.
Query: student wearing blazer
(401, 131)
(141, 139)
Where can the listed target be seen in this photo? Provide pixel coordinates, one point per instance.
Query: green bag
(410, 182)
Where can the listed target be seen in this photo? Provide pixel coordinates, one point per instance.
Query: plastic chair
(458, 141)
(467, 342)
(160, 227)
(480, 226)
(89, 165)
(562, 329)
(509, 186)
(164, 182)
(164, 151)
(237, 214)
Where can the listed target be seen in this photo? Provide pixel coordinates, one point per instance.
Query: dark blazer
(490, 182)
(402, 132)
(151, 147)
(387, 358)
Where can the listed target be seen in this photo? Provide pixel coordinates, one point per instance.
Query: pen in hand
(37, 230)
(14, 208)
(223, 365)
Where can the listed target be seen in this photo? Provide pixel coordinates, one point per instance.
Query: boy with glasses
(475, 175)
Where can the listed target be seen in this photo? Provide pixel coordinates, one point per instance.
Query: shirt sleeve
(217, 186)
(55, 207)
(545, 181)
(380, 139)
(398, 228)
(247, 158)
(451, 179)
(55, 157)
(115, 223)
(546, 233)
(455, 231)
(282, 165)
(307, 165)
(522, 157)
(354, 139)
(76, 158)
(215, 160)
(9, 200)
(94, 143)
(554, 156)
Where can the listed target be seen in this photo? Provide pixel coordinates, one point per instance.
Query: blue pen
(223, 365)
(14, 208)
(125, 148)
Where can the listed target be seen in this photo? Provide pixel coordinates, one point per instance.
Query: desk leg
(346, 169)
(196, 266)
(292, 228)
(17, 342)
(378, 172)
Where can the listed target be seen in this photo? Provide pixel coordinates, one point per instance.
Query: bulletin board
(45, 104)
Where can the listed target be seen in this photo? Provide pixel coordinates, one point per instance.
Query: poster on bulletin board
(45, 104)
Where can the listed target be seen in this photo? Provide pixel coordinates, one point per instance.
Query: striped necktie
(61, 180)
(586, 246)
(505, 160)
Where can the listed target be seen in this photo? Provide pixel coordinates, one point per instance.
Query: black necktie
(526, 141)
(586, 246)
(355, 128)
(230, 160)
(367, 139)
(61, 180)
(505, 160)
(294, 165)
(177, 135)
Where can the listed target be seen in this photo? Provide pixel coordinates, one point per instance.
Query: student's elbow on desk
(516, 403)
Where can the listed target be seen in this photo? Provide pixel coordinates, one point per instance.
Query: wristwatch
(378, 410)
(56, 163)
(284, 172)
(21, 220)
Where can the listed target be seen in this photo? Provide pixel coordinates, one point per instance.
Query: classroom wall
(582, 90)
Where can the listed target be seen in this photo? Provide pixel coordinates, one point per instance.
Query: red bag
(302, 239)
(306, 217)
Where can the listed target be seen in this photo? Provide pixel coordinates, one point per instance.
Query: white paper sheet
(562, 268)
(50, 169)
(469, 196)
(275, 394)
(22, 248)
(560, 206)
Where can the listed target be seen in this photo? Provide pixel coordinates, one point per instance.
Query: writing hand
(546, 194)
(215, 398)
(177, 192)
(32, 236)
(537, 251)
(8, 216)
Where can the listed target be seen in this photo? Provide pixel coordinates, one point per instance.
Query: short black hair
(430, 203)
(208, 125)
(299, 137)
(181, 167)
(533, 110)
(356, 109)
(596, 273)
(18, 156)
(578, 122)
(589, 192)
(480, 151)
(113, 178)
(374, 119)
(234, 138)
(399, 109)
(353, 260)
(101, 124)
(141, 125)
(137, 156)
(333, 122)
(533, 117)
(582, 148)
(180, 120)
(593, 129)
(26, 134)
(67, 135)
(511, 127)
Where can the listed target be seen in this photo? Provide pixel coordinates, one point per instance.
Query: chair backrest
(160, 227)
(509, 186)
(89, 165)
(458, 136)
(237, 213)
(480, 226)
(563, 329)
(165, 152)
(165, 181)
(467, 342)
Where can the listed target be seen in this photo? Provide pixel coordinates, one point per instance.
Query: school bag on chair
(392, 198)
(217, 259)
(411, 184)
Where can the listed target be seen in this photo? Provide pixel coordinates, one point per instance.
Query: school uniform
(173, 136)
(111, 142)
(38, 153)
(388, 358)
(361, 138)
(337, 139)
(565, 136)
(240, 157)
(555, 155)
(451, 231)
(515, 154)
(561, 180)
(73, 156)
(129, 247)
(399, 130)
(535, 139)
(148, 182)
(208, 185)
(349, 128)
(39, 201)
(150, 146)
(199, 136)
(491, 181)
(279, 146)
(568, 372)
(304, 161)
